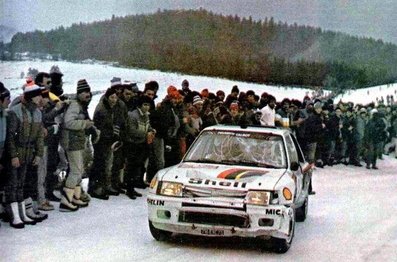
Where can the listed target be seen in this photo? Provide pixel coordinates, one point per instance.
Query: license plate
(213, 232)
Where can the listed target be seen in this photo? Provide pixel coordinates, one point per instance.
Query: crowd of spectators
(132, 134)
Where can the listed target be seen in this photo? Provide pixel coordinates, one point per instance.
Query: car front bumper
(217, 216)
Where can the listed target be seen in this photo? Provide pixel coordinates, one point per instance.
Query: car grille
(213, 219)
(190, 191)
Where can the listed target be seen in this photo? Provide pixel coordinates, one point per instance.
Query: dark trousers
(14, 188)
(98, 175)
(51, 180)
(156, 158)
(118, 165)
(136, 157)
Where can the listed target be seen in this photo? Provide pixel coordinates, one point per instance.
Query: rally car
(234, 181)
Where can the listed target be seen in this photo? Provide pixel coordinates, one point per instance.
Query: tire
(301, 212)
(281, 245)
(158, 234)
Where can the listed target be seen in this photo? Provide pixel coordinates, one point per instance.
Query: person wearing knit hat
(197, 100)
(174, 95)
(82, 86)
(106, 120)
(142, 135)
(76, 126)
(204, 93)
(24, 124)
(31, 92)
(171, 89)
(56, 81)
(198, 103)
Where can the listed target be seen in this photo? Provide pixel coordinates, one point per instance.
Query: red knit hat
(174, 94)
(171, 89)
(204, 93)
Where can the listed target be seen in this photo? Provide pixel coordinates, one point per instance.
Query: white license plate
(213, 232)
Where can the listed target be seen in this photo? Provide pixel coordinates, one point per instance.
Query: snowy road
(351, 218)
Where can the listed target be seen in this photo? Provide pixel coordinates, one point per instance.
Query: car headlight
(171, 189)
(153, 183)
(257, 198)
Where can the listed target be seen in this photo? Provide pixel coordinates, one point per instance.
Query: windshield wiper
(249, 163)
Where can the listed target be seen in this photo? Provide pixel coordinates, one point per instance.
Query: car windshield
(242, 148)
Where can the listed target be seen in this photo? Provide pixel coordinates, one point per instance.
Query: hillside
(202, 43)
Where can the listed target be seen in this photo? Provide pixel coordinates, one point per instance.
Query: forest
(203, 43)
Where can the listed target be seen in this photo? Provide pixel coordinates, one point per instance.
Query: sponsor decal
(213, 232)
(155, 202)
(273, 212)
(199, 181)
(238, 173)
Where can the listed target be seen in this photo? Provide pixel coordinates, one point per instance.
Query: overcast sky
(371, 18)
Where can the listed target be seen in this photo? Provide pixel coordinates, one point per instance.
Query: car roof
(258, 129)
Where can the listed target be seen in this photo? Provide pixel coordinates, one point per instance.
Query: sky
(369, 18)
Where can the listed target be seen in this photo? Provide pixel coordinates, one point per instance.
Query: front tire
(281, 245)
(301, 212)
(158, 234)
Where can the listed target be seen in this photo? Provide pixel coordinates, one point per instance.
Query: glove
(56, 128)
(116, 146)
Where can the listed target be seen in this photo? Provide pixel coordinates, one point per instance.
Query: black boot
(52, 197)
(137, 194)
(131, 194)
(99, 193)
(111, 191)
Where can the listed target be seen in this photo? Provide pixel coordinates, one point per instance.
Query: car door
(305, 167)
(294, 158)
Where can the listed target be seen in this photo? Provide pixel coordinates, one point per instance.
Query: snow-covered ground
(351, 218)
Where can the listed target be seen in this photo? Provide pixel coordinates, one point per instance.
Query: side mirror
(294, 166)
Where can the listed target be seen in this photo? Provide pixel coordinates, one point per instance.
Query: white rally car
(234, 181)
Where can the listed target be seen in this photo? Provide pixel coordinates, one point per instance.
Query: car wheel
(281, 245)
(158, 234)
(301, 212)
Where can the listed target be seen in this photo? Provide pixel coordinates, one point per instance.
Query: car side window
(299, 152)
(292, 152)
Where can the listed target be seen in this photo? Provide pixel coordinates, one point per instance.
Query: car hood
(223, 176)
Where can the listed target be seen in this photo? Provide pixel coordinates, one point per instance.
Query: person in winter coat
(105, 120)
(314, 127)
(141, 134)
(373, 138)
(160, 120)
(353, 138)
(75, 125)
(47, 166)
(25, 148)
(333, 135)
(4, 102)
